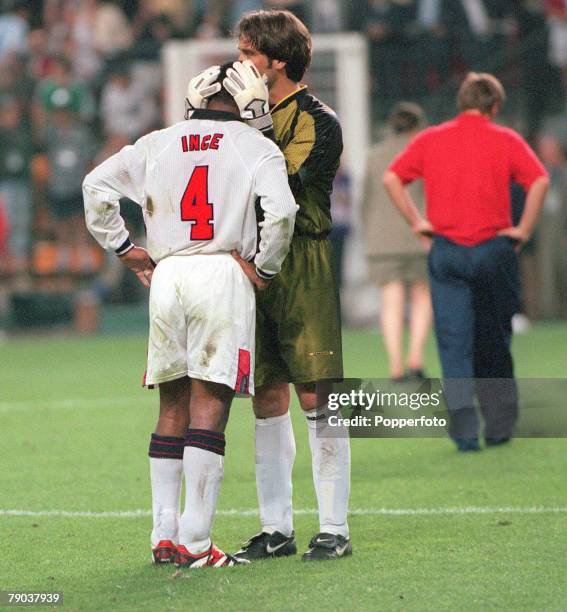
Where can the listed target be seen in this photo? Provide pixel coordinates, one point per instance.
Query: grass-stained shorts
(298, 319)
(202, 312)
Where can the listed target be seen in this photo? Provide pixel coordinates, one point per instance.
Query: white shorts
(202, 322)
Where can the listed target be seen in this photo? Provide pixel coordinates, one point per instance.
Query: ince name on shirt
(200, 142)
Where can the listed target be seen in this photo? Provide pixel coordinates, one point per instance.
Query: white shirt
(197, 183)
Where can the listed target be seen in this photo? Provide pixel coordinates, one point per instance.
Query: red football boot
(164, 552)
(214, 557)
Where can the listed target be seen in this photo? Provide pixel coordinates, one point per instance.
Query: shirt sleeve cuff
(264, 275)
(126, 246)
(263, 123)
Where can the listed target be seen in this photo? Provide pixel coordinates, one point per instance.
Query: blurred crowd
(79, 79)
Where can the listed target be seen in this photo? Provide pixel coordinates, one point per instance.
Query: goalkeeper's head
(281, 37)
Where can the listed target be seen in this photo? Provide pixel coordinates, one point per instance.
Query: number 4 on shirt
(195, 205)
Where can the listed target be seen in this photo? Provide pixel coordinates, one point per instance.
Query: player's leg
(275, 455)
(420, 324)
(392, 324)
(312, 348)
(203, 464)
(219, 315)
(330, 456)
(166, 466)
(167, 360)
(274, 439)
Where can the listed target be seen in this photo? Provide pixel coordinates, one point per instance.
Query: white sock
(275, 454)
(165, 475)
(330, 458)
(203, 475)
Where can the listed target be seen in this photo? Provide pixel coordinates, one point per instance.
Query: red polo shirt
(467, 165)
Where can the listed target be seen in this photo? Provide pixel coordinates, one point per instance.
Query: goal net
(338, 75)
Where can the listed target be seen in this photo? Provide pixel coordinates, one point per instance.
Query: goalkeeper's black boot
(266, 546)
(325, 546)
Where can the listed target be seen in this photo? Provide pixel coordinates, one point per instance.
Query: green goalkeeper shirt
(309, 135)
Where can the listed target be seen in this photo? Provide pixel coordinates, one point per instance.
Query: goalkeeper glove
(200, 88)
(250, 92)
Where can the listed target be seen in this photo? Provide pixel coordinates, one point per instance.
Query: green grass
(91, 456)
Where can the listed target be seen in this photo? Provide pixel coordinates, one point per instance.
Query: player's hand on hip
(249, 269)
(424, 231)
(139, 261)
(517, 234)
(200, 88)
(250, 92)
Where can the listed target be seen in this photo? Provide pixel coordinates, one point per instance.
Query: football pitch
(431, 529)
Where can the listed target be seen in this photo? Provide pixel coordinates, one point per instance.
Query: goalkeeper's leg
(330, 456)
(275, 454)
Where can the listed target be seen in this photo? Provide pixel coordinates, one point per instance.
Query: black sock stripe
(206, 440)
(207, 447)
(166, 447)
(178, 448)
(165, 455)
(215, 442)
(169, 446)
(206, 432)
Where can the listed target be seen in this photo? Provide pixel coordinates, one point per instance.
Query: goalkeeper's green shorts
(298, 320)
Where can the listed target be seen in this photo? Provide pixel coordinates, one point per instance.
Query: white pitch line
(303, 511)
(95, 402)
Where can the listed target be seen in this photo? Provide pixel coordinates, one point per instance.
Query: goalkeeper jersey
(310, 137)
(197, 183)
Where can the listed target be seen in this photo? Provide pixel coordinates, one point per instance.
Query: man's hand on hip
(516, 233)
(424, 231)
(139, 261)
(249, 269)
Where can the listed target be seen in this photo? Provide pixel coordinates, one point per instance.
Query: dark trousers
(475, 292)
